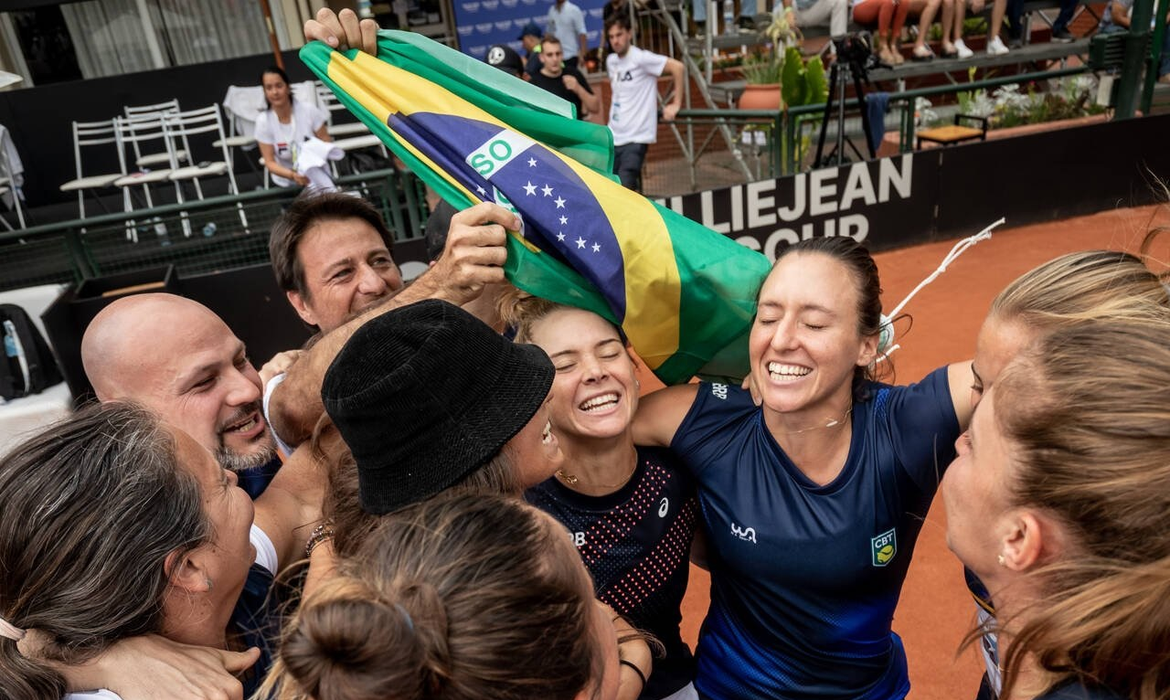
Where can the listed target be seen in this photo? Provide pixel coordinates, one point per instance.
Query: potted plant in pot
(763, 72)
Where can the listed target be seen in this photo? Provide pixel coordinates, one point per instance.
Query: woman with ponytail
(1059, 502)
(1068, 290)
(462, 596)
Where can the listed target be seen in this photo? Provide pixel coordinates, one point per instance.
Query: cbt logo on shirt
(884, 547)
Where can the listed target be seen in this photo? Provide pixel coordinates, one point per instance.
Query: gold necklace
(573, 479)
(833, 422)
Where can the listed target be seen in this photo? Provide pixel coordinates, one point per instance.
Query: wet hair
(92, 508)
(352, 525)
(1082, 286)
(1086, 415)
(304, 213)
(275, 70)
(460, 597)
(864, 272)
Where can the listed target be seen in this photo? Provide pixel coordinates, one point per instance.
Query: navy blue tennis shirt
(804, 577)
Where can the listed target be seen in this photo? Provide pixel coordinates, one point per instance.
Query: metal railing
(196, 237)
(781, 140)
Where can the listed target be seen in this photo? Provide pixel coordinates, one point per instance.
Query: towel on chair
(312, 160)
(876, 105)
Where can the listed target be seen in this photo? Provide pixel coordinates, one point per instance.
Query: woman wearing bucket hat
(427, 399)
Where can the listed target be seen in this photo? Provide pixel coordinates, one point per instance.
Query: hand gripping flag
(683, 294)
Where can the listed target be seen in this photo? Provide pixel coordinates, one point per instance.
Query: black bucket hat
(426, 394)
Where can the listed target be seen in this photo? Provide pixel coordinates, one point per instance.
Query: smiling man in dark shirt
(566, 83)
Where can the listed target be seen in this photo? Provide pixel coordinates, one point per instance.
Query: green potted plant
(763, 72)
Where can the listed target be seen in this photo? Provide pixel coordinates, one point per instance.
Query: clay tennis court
(935, 610)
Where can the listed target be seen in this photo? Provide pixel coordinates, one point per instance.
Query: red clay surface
(936, 611)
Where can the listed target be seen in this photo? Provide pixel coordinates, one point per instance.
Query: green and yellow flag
(683, 294)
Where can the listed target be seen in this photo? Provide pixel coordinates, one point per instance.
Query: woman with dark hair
(459, 597)
(631, 510)
(116, 526)
(283, 128)
(1059, 502)
(812, 500)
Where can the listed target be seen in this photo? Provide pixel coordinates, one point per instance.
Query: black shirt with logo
(636, 543)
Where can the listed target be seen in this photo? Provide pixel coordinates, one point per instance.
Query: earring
(209, 584)
(1001, 560)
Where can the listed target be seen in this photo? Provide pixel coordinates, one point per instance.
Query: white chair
(11, 177)
(327, 101)
(132, 132)
(151, 113)
(88, 135)
(179, 126)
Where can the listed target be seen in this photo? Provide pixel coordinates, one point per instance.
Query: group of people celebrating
(437, 511)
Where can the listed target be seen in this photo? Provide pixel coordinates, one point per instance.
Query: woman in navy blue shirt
(812, 500)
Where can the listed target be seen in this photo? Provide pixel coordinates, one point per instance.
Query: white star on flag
(481, 190)
(596, 248)
(564, 220)
(547, 191)
(532, 162)
(580, 242)
(560, 237)
(560, 203)
(530, 189)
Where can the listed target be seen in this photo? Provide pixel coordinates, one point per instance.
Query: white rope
(887, 325)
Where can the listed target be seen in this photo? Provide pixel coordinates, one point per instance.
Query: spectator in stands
(924, 10)
(833, 14)
(116, 525)
(561, 80)
(746, 20)
(462, 597)
(954, 14)
(1060, 32)
(1116, 19)
(633, 76)
(530, 37)
(887, 17)
(506, 59)
(178, 358)
(283, 128)
(567, 21)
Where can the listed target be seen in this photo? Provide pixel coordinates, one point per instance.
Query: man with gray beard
(178, 358)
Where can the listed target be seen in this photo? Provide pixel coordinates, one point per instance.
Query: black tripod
(841, 72)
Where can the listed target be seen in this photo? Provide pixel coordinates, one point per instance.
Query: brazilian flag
(683, 294)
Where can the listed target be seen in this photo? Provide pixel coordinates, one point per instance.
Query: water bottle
(209, 230)
(160, 230)
(729, 17)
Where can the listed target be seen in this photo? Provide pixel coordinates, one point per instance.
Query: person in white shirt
(285, 126)
(633, 76)
(566, 21)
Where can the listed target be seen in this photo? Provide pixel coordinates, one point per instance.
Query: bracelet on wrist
(321, 533)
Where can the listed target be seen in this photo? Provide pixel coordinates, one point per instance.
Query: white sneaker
(962, 50)
(996, 47)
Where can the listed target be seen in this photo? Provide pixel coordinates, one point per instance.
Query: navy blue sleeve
(923, 427)
(702, 431)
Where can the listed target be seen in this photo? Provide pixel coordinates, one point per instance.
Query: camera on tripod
(856, 49)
